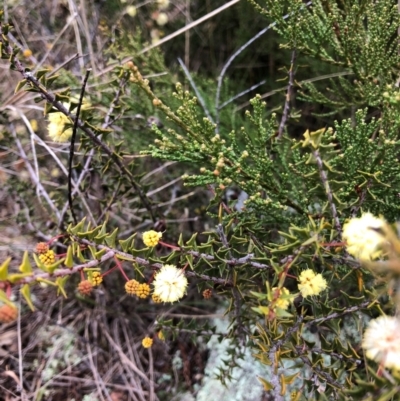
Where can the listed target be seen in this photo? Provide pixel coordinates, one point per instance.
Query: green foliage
(360, 37)
(300, 189)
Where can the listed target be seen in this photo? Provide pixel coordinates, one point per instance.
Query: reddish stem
(109, 271)
(333, 244)
(51, 240)
(175, 248)
(150, 280)
(8, 290)
(184, 267)
(119, 265)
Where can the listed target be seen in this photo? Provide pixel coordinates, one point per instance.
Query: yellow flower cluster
(96, 278)
(170, 283)
(283, 297)
(147, 342)
(363, 241)
(27, 53)
(311, 283)
(156, 299)
(143, 290)
(151, 238)
(47, 258)
(133, 287)
(381, 341)
(57, 126)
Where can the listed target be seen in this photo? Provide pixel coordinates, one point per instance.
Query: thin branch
(20, 357)
(336, 315)
(195, 332)
(286, 107)
(240, 94)
(299, 83)
(321, 373)
(193, 85)
(237, 53)
(224, 240)
(303, 348)
(107, 122)
(329, 194)
(151, 374)
(35, 179)
(72, 145)
(235, 292)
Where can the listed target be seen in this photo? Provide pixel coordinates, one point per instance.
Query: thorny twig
(320, 372)
(340, 314)
(144, 262)
(275, 379)
(304, 348)
(194, 332)
(235, 291)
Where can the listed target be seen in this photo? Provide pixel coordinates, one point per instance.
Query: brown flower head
(41, 247)
(85, 287)
(8, 313)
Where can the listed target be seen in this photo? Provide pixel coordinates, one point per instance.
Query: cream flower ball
(381, 341)
(170, 283)
(57, 126)
(362, 239)
(311, 283)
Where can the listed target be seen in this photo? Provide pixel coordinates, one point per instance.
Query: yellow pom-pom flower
(27, 53)
(151, 238)
(143, 290)
(131, 287)
(170, 283)
(96, 278)
(147, 342)
(131, 11)
(363, 241)
(283, 300)
(57, 126)
(156, 299)
(47, 258)
(311, 283)
(381, 341)
(162, 19)
(162, 4)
